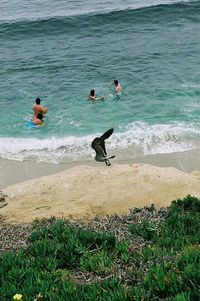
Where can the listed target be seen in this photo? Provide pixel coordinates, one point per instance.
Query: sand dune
(84, 192)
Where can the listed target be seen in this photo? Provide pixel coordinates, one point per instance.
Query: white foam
(160, 138)
(46, 150)
(138, 137)
(190, 107)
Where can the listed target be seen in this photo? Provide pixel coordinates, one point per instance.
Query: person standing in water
(93, 96)
(39, 112)
(117, 85)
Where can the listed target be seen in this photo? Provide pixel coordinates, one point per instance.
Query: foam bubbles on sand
(138, 137)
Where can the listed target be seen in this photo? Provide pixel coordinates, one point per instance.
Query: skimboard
(30, 125)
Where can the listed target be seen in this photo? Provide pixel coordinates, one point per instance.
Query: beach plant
(146, 229)
(109, 289)
(122, 247)
(183, 296)
(173, 263)
(67, 244)
(136, 293)
(189, 255)
(164, 266)
(188, 265)
(148, 252)
(182, 225)
(95, 240)
(98, 262)
(161, 281)
(123, 250)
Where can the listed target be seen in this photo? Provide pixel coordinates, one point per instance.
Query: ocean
(60, 50)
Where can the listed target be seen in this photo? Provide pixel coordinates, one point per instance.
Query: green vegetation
(165, 266)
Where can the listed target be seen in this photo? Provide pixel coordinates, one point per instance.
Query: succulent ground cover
(149, 254)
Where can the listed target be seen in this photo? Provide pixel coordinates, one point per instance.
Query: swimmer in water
(117, 85)
(39, 112)
(93, 96)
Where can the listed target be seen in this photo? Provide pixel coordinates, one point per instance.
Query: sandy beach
(12, 171)
(84, 192)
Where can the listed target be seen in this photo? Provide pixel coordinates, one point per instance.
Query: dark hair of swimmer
(37, 100)
(116, 82)
(92, 92)
(40, 116)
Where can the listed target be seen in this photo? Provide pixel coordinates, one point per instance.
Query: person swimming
(93, 96)
(39, 112)
(117, 85)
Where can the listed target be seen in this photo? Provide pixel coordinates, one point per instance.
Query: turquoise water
(60, 51)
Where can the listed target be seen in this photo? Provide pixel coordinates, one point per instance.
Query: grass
(167, 267)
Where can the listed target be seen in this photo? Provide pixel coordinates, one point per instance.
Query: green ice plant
(148, 252)
(184, 217)
(184, 296)
(189, 255)
(146, 229)
(162, 282)
(122, 249)
(166, 268)
(137, 294)
(98, 262)
(94, 240)
(176, 274)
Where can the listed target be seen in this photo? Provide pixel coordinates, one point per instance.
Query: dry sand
(13, 171)
(84, 192)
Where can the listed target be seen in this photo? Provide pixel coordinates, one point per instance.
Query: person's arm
(111, 83)
(100, 97)
(93, 98)
(44, 110)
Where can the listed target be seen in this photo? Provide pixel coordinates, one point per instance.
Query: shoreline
(13, 171)
(85, 190)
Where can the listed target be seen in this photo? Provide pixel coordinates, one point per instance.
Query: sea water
(60, 50)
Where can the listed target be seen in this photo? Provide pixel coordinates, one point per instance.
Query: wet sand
(12, 172)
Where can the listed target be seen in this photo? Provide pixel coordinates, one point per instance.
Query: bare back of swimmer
(39, 112)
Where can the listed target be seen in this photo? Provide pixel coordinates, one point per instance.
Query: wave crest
(66, 21)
